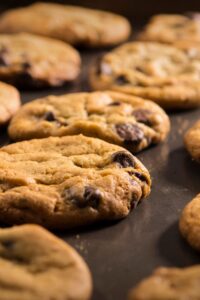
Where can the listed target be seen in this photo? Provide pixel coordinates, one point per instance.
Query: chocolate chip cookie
(117, 118)
(28, 60)
(190, 222)
(169, 284)
(170, 28)
(192, 141)
(72, 24)
(9, 102)
(168, 75)
(37, 265)
(62, 182)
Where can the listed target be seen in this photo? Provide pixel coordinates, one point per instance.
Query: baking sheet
(122, 253)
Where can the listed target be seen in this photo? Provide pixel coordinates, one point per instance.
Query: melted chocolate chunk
(138, 175)
(139, 69)
(142, 116)
(7, 243)
(130, 133)
(92, 197)
(121, 80)
(49, 116)
(124, 159)
(116, 103)
(26, 65)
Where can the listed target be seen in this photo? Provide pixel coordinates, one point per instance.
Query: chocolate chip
(116, 103)
(121, 80)
(130, 133)
(138, 175)
(92, 197)
(26, 65)
(139, 69)
(49, 116)
(62, 123)
(142, 116)
(7, 243)
(124, 159)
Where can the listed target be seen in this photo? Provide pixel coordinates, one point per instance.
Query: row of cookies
(38, 53)
(44, 267)
(166, 74)
(51, 116)
(175, 283)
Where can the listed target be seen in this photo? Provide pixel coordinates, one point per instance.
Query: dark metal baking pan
(122, 253)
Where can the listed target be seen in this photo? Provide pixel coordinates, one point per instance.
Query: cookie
(63, 182)
(192, 141)
(170, 28)
(72, 24)
(190, 222)
(28, 60)
(117, 118)
(34, 264)
(169, 284)
(9, 102)
(168, 75)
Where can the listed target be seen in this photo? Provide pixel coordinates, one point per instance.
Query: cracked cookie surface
(192, 141)
(169, 284)
(190, 222)
(117, 118)
(28, 60)
(166, 74)
(63, 182)
(170, 28)
(9, 102)
(35, 264)
(72, 24)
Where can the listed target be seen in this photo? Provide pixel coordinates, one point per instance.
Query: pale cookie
(62, 182)
(168, 75)
(169, 284)
(72, 24)
(170, 28)
(117, 118)
(34, 264)
(9, 102)
(28, 60)
(192, 141)
(190, 223)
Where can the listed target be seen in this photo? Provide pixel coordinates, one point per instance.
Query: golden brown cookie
(168, 75)
(9, 102)
(169, 284)
(72, 24)
(117, 118)
(34, 264)
(190, 223)
(28, 60)
(192, 141)
(63, 182)
(169, 28)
